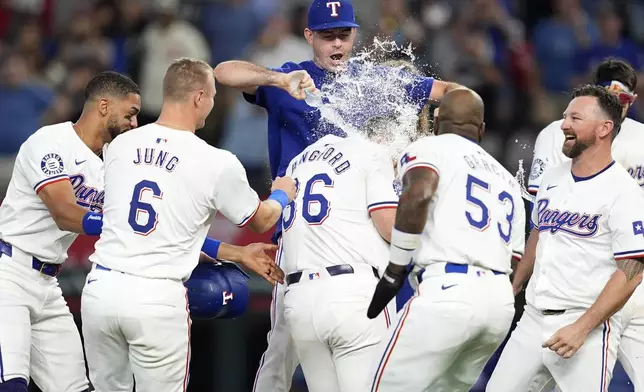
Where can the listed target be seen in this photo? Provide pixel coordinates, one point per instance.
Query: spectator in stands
(557, 40)
(165, 39)
(23, 101)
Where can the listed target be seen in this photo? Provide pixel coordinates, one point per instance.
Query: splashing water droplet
(370, 100)
(520, 176)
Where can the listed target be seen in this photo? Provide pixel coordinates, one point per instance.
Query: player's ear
(481, 131)
(308, 34)
(103, 106)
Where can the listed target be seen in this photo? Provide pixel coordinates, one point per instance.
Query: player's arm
(627, 236)
(248, 77)
(382, 200)
(419, 186)
(440, 88)
(255, 257)
(526, 264)
(239, 203)
(60, 200)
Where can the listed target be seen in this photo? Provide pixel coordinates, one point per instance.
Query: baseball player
(620, 79)
(463, 305)
(55, 192)
(334, 237)
(588, 244)
(163, 187)
(293, 125)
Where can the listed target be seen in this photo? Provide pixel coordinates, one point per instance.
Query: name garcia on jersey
(580, 225)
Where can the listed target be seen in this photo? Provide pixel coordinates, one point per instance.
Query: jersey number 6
(483, 223)
(137, 207)
(309, 198)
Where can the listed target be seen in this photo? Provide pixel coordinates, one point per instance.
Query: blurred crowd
(522, 56)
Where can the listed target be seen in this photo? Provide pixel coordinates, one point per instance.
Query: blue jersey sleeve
(419, 90)
(262, 96)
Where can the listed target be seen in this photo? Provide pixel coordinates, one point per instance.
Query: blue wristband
(93, 223)
(279, 196)
(211, 247)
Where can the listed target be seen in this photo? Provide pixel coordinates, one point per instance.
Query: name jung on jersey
(156, 158)
(581, 225)
(329, 155)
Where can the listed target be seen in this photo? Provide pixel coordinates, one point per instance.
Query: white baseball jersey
(626, 149)
(476, 216)
(163, 187)
(54, 153)
(584, 224)
(340, 182)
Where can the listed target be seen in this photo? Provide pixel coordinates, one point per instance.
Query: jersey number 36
(483, 223)
(308, 200)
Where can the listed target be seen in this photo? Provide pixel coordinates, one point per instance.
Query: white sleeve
(546, 155)
(417, 155)
(43, 162)
(518, 227)
(626, 224)
(534, 214)
(233, 196)
(380, 182)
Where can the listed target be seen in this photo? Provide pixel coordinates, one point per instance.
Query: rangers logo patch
(538, 166)
(52, 164)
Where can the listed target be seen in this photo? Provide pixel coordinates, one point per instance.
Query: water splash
(520, 176)
(370, 100)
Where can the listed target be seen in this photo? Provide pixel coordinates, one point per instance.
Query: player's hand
(257, 258)
(567, 340)
(286, 184)
(296, 83)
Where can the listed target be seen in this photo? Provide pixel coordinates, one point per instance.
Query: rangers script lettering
(87, 196)
(566, 221)
(156, 158)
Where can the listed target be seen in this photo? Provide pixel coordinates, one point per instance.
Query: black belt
(333, 270)
(48, 269)
(552, 312)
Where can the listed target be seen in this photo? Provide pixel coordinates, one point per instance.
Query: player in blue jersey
(293, 125)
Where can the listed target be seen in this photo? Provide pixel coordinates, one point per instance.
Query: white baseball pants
(523, 358)
(38, 336)
(335, 341)
(136, 326)
(446, 333)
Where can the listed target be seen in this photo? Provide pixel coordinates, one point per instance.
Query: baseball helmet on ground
(217, 291)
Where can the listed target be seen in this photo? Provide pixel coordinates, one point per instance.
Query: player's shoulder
(631, 130)
(552, 129)
(54, 133)
(621, 178)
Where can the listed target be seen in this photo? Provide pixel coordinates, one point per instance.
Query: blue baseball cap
(331, 14)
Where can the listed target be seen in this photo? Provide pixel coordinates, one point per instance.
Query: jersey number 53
(309, 199)
(473, 191)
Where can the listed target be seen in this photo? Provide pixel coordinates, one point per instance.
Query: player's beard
(577, 148)
(113, 128)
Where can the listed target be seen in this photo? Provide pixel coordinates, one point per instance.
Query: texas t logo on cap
(331, 14)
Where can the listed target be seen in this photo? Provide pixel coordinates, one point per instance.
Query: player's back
(160, 186)
(476, 216)
(340, 181)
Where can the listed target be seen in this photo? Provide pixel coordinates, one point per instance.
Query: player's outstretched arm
(270, 210)
(526, 265)
(60, 200)
(440, 88)
(419, 186)
(256, 257)
(248, 77)
(569, 339)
